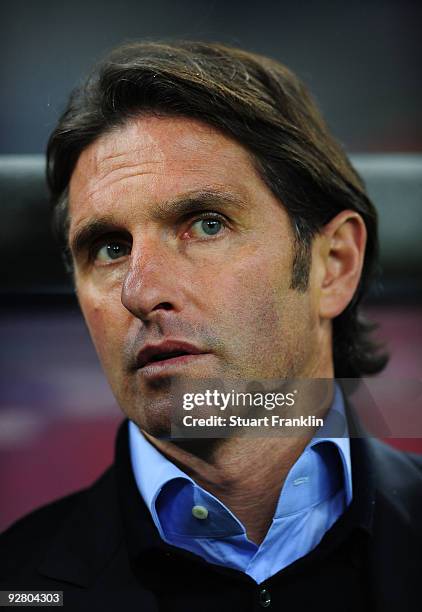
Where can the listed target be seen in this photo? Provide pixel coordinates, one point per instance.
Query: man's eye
(112, 251)
(207, 227)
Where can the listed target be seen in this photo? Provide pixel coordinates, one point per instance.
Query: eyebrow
(192, 202)
(90, 230)
(163, 211)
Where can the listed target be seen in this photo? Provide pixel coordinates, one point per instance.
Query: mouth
(154, 360)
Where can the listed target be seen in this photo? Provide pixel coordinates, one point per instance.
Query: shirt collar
(336, 431)
(152, 470)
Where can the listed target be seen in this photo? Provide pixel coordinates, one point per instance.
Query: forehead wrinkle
(108, 180)
(107, 160)
(128, 159)
(129, 140)
(104, 159)
(125, 163)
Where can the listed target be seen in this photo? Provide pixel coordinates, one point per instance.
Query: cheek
(266, 324)
(105, 327)
(252, 295)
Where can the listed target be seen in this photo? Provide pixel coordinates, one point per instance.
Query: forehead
(160, 157)
(160, 138)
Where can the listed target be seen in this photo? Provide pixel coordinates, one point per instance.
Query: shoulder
(398, 478)
(28, 537)
(396, 467)
(25, 544)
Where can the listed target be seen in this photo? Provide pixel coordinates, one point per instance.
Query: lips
(164, 352)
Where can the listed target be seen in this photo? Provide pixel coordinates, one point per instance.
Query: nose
(152, 282)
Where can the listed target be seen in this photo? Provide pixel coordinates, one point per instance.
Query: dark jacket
(100, 547)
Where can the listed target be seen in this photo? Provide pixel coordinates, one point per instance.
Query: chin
(153, 418)
(159, 431)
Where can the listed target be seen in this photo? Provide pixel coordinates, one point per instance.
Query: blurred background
(361, 60)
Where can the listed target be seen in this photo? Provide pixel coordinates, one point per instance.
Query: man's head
(205, 201)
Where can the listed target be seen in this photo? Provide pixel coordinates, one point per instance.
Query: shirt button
(264, 598)
(200, 512)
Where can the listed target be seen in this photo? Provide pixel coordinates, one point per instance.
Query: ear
(342, 250)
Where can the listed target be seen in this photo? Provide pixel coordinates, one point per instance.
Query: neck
(247, 474)
(234, 470)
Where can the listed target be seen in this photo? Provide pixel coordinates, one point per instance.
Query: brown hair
(265, 107)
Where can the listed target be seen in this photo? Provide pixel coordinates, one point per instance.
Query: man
(215, 230)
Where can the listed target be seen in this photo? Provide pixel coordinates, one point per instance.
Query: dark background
(361, 60)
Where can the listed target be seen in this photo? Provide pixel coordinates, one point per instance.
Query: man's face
(183, 263)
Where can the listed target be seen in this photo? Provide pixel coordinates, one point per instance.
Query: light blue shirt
(316, 491)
